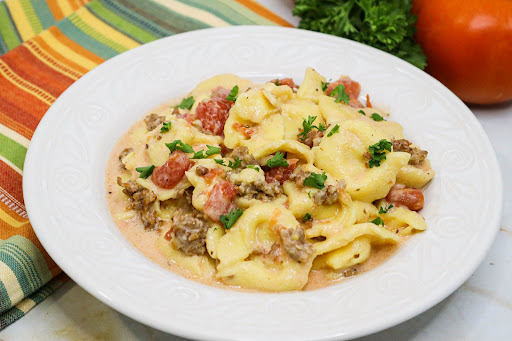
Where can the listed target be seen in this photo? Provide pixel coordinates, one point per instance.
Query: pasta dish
(269, 187)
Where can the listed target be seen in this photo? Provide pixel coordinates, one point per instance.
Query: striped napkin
(46, 45)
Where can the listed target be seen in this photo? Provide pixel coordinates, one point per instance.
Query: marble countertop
(481, 309)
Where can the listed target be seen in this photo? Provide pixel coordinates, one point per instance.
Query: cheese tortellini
(257, 186)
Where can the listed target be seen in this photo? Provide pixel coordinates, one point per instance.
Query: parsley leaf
(145, 171)
(334, 130)
(306, 217)
(186, 103)
(362, 112)
(376, 117)
(233, 94)
(229, 219)
(220, 161)
(166, 127)
(307, 126)
(378, 221)
(178, 145)
(236, 164)
(325, 85)
(256, 168)
(387, 25)
(385, 210)
(276, 82)
(277, 161)
(341, 94)
(378, 152)
(321, 127)
(315, 180)
(211, 151)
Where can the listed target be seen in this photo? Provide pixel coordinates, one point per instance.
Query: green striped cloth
(45, 46)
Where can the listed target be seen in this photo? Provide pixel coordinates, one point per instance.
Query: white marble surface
(481, 309)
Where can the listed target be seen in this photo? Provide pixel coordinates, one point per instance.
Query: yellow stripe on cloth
(67, 52)
(24, 85)
(14, 136)
(20, 19)
(36, 50)
(26, 305)
(10, 220)
(12, 286)
(193, 12)
(65, 7)
(105, 30)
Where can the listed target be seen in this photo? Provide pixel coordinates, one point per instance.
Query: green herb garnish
(385, 210)
(186, 103)
(321, 127)
(202, 154)
(233, 94)
(236, 164)
(376, 117)
(362, 112)
(220, 161)
(166, 127)
(306, 217)
(178, 145)
(229, 219)
(378, 152)
(340, 93)
(315, 180)
(256, 168)
(378, 221)
(325, 85)
(277, 161)
(334, 130)
(307, 126)
(145, 171)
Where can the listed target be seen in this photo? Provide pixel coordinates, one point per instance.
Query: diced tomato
(219, 201)
(248, 132)
(368, 103)
(281, 174)
(409, 197)
(213, 114)
(170, 173)
(284, 81)
(212, 174)
(352, 87)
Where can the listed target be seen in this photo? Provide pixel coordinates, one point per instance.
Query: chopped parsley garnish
(362, 112)
(341, 94)
(277, 161)
(256, 168)
(236, 164)
(202, 154)
(178, 145)
(334, 130)
(325, 85)
(376, 117)
(186, 103)
(378, 152)
(315, 180)
(166, 127)
(307, 126)
(145, 171)
(378, 221)
(306, 217)
(220, 161)
(385, 210)
(233, 94)
(229, 219)
(276, 82)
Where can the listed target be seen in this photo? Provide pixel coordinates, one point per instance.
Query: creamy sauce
(147, 241)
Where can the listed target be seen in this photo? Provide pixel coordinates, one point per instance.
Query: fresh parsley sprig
(277, 160)
(186, 103)
(385, 210)
(341, 94)
(376, 117)
(307, 126)
(378, 221)
(233, 165)
(166, 127)
(378, 152)
(325, 85)
(201, 154)
(178, 145)
(334, 130)
(145, 172)
(362, 112)
(316, 180)
(306, 217)
(229, 220)
(256, 168)
(233, 94)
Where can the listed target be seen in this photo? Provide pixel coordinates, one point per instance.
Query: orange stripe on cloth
(54, 63)
(55, 9)
(21, 107)
(264, 12)
(11, 188)
(80, 70)
(93, 58)
(27, 66)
